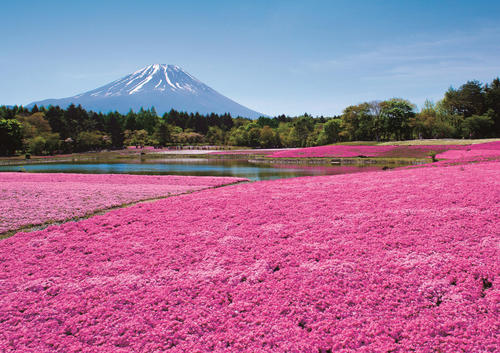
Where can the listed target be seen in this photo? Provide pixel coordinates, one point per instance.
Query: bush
(37, 145)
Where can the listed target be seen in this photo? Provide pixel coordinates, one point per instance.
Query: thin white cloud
(460, 53)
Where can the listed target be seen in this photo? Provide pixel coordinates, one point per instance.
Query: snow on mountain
(164, 87)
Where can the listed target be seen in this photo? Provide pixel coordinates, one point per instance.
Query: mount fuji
(161, 86)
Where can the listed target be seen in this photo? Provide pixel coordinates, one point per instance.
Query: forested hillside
(471, 111)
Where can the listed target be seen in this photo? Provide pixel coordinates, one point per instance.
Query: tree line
(471, 111)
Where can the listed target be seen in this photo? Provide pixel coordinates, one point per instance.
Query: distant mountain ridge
(161, 86)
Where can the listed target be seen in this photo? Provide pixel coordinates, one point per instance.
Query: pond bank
(343, 161)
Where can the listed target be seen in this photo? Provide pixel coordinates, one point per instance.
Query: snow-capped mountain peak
(162, 86)
(156, 77)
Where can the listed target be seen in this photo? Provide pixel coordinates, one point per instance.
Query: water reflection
(192, 166)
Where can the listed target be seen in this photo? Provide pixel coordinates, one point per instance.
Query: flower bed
(31, 199)
(383, 151)
(495, 145)
(399, 261)
(248, 152)
(333, 151)
(478, 152)
(387, 151)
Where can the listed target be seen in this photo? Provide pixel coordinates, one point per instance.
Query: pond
(190, 166)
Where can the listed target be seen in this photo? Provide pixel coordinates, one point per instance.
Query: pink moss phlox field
(330, 170)
(495, 145)
(333, 151)
(468, 155)
(29, 199)
(150, 148)
(416, 151)
(473, 152)
(399, 261)
(246, 152)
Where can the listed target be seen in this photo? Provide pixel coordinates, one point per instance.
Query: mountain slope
(161, 86)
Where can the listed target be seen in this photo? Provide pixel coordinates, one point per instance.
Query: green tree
(130, 123)
(396, 115)
(330, 132)
(493, 103)
(74, 118)
(162, 133)
(283, 133)
(358, 122)
(267, 137)
(114, 128)
(34, 124)
(301, 128)
(10, 136)
(188, 137)
(138, 138)
(37, 145)
(266, 121)
(57, 122)
(468, 100)
(238, 136)
(215, 135)
(147, 120)
(478, 126)
(92, 140)
(253, 137)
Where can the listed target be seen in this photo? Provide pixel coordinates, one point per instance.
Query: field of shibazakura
(444, 151)
(394, 261)
(37, 199)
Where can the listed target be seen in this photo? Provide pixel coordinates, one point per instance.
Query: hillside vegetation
(469, 112)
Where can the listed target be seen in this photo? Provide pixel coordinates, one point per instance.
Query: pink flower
(33, 199)
(404, 260)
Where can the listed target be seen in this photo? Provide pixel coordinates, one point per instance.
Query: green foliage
(330, 132)
(300, 130)
(216, 136)
(492, 98)
(266, 121)
(138, 138)
(34, 124)
(478, 126)
(468, 100)
(10, 136)
(238, 136)
(162, 134)
(37, 145)
(188, 138)
(268, 138)
(44, 144)
(358, 123)
(471, 111)
(253, 136)
(52, 142)
(146, 120)
(92, 140)
(113, 126)
(395, 116)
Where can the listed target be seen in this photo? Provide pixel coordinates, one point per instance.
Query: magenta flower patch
(417, 151)
(400, 261)
(30, 199)
(490, 150)
(333, 151)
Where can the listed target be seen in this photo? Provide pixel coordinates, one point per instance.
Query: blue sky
(273, 56)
